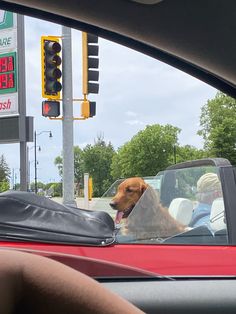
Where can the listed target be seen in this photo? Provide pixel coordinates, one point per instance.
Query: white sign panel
(9, 104)
(8, 40)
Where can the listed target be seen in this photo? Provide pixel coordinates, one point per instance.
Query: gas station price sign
(8, 73)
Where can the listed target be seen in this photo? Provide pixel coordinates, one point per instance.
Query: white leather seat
(181, 209)
(217, 217)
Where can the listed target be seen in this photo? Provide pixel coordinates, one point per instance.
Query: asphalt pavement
(94, 204)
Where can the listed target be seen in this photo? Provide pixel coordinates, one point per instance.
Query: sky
(134, 91)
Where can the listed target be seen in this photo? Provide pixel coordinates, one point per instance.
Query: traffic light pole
(35, 164)
(67, 122)
(22, 101)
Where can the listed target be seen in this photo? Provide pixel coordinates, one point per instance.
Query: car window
(192, 196)
(147, 119)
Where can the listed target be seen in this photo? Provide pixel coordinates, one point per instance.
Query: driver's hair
(208, 188)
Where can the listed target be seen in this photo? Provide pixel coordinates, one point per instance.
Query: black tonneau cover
(25, 216)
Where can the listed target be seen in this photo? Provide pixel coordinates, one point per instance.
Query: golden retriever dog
(128, 194)
(149, 216)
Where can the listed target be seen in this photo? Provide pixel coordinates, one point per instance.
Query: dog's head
(128, 194)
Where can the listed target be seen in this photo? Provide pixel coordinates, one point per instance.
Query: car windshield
(72, 134)
(192, 196)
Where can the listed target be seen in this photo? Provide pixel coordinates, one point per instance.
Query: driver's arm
(35, 284)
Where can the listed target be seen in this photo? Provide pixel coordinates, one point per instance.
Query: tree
(58, 161)
(4, 174)
(218, 127)
(148, 152)
(57, 189)
(97, 162)
(94, 159)
(78, 164)
(40, 186)
(188, 152)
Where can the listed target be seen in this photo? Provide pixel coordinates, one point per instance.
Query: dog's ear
(144, 186)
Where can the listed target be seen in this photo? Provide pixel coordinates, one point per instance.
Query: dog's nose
(113, 204)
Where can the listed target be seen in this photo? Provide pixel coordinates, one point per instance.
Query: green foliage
(187, 178)
(4, 174)
(78, 164)
(188, 152)
(4, 186)
(97, 162)
(218, 127)
(94, 159)
(148, 152)
(48, 185)
(57, 189)
(40, 185)
(59, 163)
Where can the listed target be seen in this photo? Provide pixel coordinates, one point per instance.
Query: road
(79, 201)
(94, 204)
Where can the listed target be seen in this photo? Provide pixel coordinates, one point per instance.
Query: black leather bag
(27, 217)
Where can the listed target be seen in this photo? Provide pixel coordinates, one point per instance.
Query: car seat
(217, 217)
(181, 209)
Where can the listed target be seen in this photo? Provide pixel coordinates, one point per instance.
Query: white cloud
(134, 122)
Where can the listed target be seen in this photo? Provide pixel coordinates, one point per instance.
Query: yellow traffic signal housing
(90, 189)
(88, 109)
(90, 63)
(85, 109)
(50, 62)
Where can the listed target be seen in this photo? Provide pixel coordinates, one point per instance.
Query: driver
(34, 284)
(208, 189)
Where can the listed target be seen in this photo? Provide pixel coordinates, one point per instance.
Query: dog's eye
(129, 190)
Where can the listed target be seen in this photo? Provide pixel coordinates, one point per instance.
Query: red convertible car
(196, 37)
(90, 242)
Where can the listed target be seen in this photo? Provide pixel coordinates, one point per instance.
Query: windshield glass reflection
(182, 203)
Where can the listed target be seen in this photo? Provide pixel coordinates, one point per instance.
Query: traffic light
(88, 109)
(50, 108)
(90, 63)
(90, 188)
(51, 61)
(92, 109)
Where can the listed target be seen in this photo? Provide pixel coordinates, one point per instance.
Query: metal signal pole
(67, 122)
(22, 100)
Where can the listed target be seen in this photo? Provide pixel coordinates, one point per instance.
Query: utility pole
(67, 122)
(22, 101)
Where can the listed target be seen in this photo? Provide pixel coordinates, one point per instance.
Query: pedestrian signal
(50, 108)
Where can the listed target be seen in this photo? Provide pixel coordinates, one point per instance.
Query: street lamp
(35, 157)
(29, 163)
